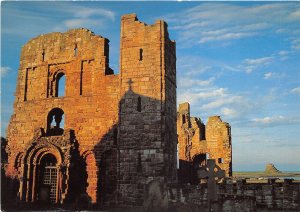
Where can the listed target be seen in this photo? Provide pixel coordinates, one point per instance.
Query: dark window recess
(139, 163)
(183, 119)
(75, 51)
(141, 54)
(26, 85)
(139, 104)
(220, 160)
(43, 55)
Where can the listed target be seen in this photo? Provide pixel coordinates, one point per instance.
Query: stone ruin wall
(239, 196)
(100, 107)
(147, 139)
(196, 141)
(88, 89)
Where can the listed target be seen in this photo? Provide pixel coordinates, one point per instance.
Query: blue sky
(239, 60)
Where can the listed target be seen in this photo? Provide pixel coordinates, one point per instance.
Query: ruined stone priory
(109, 141)
(109, 136)
(198, 142)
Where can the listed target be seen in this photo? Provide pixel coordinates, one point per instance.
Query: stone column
(33, 193)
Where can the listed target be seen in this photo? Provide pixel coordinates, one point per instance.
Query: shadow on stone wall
(9, 186)
(187, 172)
(109, 191)
(106, 153)
(77, 178)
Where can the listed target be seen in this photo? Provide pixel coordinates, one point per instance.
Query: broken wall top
(60, 47)
(131, 27)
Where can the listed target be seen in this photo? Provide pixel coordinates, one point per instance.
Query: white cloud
(39, 19)
(84, 22)
(296, 90)
(193, 96)
(86, 12)
(283, 53)
(295, 15)
(249, 65)
(224, 100)
(296, 43)
(5, 70)
(259, 61)
(184, 82)
(268, 75)
(268, 120)
(229, 112)
(224, 21)
(225, 36)
(275, 121)
(274, 75)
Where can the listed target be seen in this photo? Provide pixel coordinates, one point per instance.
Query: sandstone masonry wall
(147, 140)
(124, 124)
(198, 142)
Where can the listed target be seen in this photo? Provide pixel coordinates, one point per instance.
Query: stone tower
(198, 142)
(147, 113)
(108, 135)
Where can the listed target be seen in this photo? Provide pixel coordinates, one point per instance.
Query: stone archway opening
(200, 160)
(48, 179)
(55, 122)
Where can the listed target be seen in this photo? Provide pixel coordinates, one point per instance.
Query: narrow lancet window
(43, 55)
(141, 54)
(183, 119)
(139, 104)
(75, 51)
(60, 85)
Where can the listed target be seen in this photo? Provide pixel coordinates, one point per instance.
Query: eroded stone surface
(124, 125)
(198, 142)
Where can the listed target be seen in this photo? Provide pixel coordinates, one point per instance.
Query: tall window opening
(26, 85)
(75, 50)
(43, 55)
(220, 160)
(139, 104)
(60, 85)
(183, 119)
(55, 122)
(48, 178)
(141, 54)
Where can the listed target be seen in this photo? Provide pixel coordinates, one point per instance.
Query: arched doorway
(48, 179)
(46, 168)
(199, 160)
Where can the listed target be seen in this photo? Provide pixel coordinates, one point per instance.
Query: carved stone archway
(61, 147)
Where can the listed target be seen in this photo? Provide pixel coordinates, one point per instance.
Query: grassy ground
(261, 177)
(263, 174)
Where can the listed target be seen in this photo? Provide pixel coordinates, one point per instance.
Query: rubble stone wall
(198, 142)
(241, 196)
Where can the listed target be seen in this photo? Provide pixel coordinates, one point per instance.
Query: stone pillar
(33, 194)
